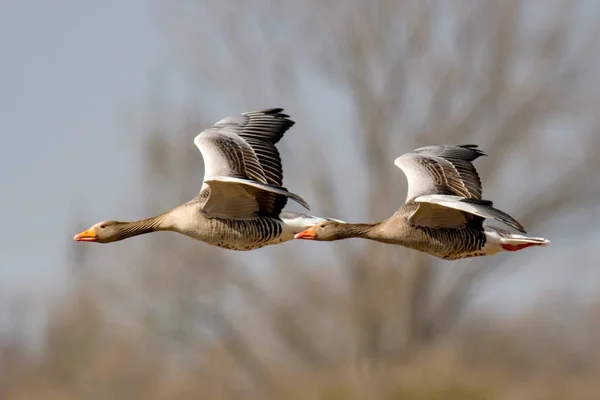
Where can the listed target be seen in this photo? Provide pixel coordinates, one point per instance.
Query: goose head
(102, 232)
(325, 231)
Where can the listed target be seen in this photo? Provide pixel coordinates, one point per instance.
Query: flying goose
(443, 214)
(240, 202)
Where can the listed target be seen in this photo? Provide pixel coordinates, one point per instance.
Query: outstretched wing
(242, 167)
(442, 169)
(259, 131)
(444, 211)
(237, 198)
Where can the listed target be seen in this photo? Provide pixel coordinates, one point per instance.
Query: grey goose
(443, 213)
(240, 204)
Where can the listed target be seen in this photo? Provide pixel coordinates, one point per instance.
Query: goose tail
(520, 242)
(501, 240)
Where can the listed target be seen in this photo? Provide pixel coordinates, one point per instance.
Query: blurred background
(99, 106)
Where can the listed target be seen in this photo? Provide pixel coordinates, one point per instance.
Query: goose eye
(102, 226)
(322, 225)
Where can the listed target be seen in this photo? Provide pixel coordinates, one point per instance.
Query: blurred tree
(503, 75)
(366, 81)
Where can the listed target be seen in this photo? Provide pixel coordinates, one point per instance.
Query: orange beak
(308, 234)
(86, 236)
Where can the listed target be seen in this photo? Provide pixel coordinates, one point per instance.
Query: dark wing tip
(271, 122)
(499, 214)
(296, 198)
(300, 201)
(481, 202)
(270, 111)
(275, 111)
(473, 147)
(515, 224)
(471, 151)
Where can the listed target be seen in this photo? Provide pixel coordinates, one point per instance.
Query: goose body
(240, 204)
(443, 214)
(240, 234)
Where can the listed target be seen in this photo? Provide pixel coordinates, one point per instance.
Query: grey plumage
(239, 205)
(443, 213)
(442, 169)
(436, 210)
(243, 173)
(243, 179)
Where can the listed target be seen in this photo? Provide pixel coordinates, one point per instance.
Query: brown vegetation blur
(164, 317)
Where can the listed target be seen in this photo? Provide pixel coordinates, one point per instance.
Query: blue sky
(69, 70)
(71, 77)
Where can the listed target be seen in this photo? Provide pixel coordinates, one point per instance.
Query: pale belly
(449, 244)
(458, 256)
(241, 235)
